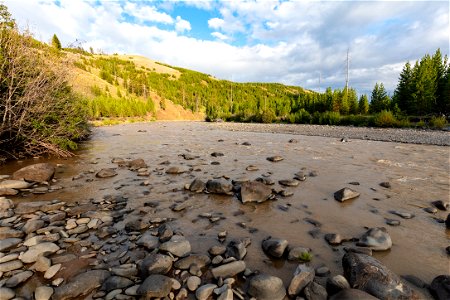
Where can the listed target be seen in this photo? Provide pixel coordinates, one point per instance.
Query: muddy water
(418, 174)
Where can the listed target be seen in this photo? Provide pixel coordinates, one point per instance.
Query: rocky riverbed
(194, 211)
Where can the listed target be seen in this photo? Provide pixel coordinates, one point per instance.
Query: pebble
(193, 282)
(52, 271)
(43, 293)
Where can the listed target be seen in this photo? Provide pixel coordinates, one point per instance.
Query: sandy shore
(410, 136)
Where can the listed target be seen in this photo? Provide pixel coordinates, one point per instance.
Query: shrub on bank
(438, 122)
(385, 118)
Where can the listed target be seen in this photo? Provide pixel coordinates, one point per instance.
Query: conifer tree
(402, 94)
(380, 100)
(56, 43)
(363, 105)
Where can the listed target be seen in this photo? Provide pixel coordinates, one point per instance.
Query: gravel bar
(399, 135)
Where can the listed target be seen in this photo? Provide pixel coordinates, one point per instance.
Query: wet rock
(43, 293)
(322, 271)
(8, 192)
(345, 194)
(136, 164)
(368, 274)
(440, 287)
(205, 291)
(36, 173)
(441, 205)
(155, 263)
(314, 291)
(176, 170)
(237, 249)
(404, 215)
(336, 284)
(105, 173)
(300, 176)
(352, 294)
(9, 243)
(293, 141)
(178, 245)
(217, 250)
(6, 293)
(10, 265)
(199, 260)
(116, 282)
(265, 180)
(385, 184)
(251, 168)
(333, 238)
(361, 250)
(415, 281)
(219, 186)
(392, 222)
(148, 241)
(81, 285)
(274, 247)
(197, 186)
(266, 287)
(229, 270)
(296, 253)
(447, 221)
(289, 182)
(188, 156)
(376, 239)
(275, 158)
(303, 275)
(165, 232)
(431, 210)
(136, 225)
(14, 184)
(126, 270)
(35, 251)
(18, 278)
(254, 191)
(217, 154)
(155, 286)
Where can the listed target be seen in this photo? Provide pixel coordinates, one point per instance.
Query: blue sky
(292, 42)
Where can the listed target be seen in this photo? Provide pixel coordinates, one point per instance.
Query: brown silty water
(418, 174)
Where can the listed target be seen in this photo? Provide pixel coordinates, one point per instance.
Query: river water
(418, 175)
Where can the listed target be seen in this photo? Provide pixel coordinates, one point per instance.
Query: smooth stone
(289, 182)
(7, 232)
(431, 210)
(303, 275)
(176, 170)
(116, 282)
(165, 232)
(266, 287)
(18, 278)
(275, 158)
(205, 291)
(6, 293)
(10, 265)
(53, 237)
(43, 293)
(219, 186)
(137, 164)
(9, 243)
(197, 186)
(441, 205)
(333, 238)
(40, 249)
(392, 222)
(217, 250)
(346, 194)
(52, 271)
(155, 286)
(114, 294)
(148, 241)
(274, 247)
(14, 184)
(237, 249)
(229, 270)
(32, 225)
(42, 264)
(199, 260)
(254, 191)
(385, 184)
(41, 172)
(376, 239)
(226, 295)
(193, 282)
(295, 253)
(300, 176)
(127, 270)
(314, 291)
(368, 274)
(178, 245)
(440, 287)
(404, 215)
(352, 294)
(81, 285)
(336, 284)
(322, 271)
(105, 173)
(8, 257)
(155, 263)
(132, 291)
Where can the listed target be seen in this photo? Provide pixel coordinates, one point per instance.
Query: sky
(301, 43)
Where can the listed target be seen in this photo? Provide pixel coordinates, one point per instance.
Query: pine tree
(424, 86)
(402, 94)
(363, 105)
(56, 43)
(380, 100)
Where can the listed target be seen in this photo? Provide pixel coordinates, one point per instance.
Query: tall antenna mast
(346, 77)
(320, 77)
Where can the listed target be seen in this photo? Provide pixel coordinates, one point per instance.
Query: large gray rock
(105, 173)
(6, 293)
(32, 254)
(11, 265)
(199, 260)
(81, 285)
(266, 287)
(203, 292)
(314, 291)
(255, 191)
(6, 244)
(376, 239)
(37, 172)
(219, 186)
(148, 241)
(274, 247)
(352, 294)
(345, 194)
(197, 186)
(336, 284)
(303, 275)
(368, 274)
(155, 286)
(155, 263)
(237, 249)
(18, 278)
(116, 282)
(229, 270)
(178, 245)
(8, 232)
(32, 225)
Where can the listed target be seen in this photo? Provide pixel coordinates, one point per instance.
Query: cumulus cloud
(182, 25)
(220, 36)
(147, 13)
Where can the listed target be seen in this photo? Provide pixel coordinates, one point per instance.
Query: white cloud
(182, 25)
(220, 36)
(147, 13)
(216, 23)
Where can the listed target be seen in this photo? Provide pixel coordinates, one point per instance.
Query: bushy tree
(363, 105)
